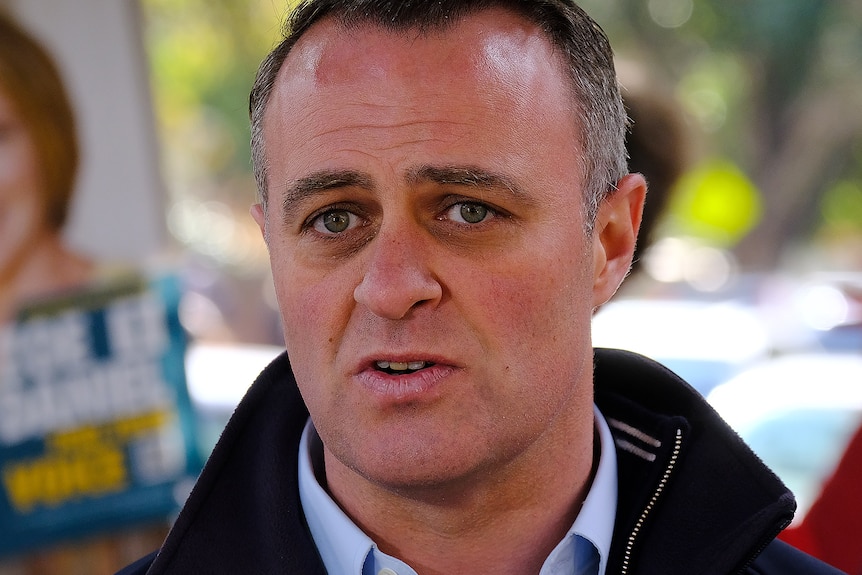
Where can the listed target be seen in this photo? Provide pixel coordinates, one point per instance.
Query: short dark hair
(580, 40)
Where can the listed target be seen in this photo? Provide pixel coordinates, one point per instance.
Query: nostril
(391, 293)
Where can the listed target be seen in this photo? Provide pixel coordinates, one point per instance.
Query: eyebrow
(322, 181)
(470, 176)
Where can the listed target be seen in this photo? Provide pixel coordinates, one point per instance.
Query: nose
(397, 276)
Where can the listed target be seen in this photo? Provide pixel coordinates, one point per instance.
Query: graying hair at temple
(583, 44)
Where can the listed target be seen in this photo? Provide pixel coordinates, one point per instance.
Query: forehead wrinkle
(386, 125)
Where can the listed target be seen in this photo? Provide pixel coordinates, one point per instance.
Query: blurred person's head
(38, 165)
(658, 148)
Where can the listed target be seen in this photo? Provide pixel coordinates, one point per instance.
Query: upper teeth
(401, 365)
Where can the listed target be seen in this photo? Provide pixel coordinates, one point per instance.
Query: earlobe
(259, 216)
(615, 235)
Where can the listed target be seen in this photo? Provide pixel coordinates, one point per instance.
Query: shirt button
(386, 571)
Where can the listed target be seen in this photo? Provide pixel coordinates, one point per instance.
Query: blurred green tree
(774, 85)
(203, 56)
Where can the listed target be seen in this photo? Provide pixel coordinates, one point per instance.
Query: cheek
(303, 309)
(18, 167)
(313, 313)
(535, 327)
(20, 185)
(20, 221)
(542, 297)
(312, 309)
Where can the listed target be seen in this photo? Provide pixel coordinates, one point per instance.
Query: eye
(468, 212)
(335, 222)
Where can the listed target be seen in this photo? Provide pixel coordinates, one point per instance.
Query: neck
(462, 527)
(46, 268)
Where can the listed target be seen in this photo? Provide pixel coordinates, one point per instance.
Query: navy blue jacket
(693, 499)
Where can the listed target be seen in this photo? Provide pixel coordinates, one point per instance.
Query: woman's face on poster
(21, 212)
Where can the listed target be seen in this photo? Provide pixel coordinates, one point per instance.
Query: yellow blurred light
(717, 202)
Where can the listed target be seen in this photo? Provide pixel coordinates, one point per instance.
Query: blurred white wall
(119, 212)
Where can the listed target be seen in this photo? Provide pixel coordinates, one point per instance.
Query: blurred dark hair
(657, 145)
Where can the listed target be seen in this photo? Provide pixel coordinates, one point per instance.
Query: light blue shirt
(347, 550)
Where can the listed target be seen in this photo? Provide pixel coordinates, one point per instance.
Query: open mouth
(401, 368)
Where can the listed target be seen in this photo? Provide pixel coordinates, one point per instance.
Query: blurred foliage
(203, 56)
(842, 207)
(771, 88)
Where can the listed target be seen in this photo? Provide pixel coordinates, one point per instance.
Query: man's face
(425, 227)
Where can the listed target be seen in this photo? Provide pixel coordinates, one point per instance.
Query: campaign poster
(96, 423)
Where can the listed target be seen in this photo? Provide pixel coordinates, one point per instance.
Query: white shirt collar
(341, 544)
(595, 522)
(345, 549)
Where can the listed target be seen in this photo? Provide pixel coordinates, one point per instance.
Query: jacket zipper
(677, 446)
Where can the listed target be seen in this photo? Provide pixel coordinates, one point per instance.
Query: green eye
(334, 222)
(473, 213)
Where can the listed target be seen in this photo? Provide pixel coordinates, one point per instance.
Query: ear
(615, 234)
(259, 216)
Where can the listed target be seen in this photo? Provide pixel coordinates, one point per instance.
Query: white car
(218, 376)
(797, 412)
(704, 342)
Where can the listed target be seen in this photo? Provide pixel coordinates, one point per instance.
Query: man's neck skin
(505, 524)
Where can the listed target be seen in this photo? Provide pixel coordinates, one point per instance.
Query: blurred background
(747, 123)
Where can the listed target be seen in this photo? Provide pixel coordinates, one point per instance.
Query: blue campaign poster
(96, 423)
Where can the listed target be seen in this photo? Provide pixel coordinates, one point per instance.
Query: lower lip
(420, 385)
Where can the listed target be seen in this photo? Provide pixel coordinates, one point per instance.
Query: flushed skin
(390, 136)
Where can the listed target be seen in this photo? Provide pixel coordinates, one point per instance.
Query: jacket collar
(691, 493)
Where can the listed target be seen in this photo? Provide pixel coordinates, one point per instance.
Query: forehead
(490, 46)
(487, 41)
(492, 78)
